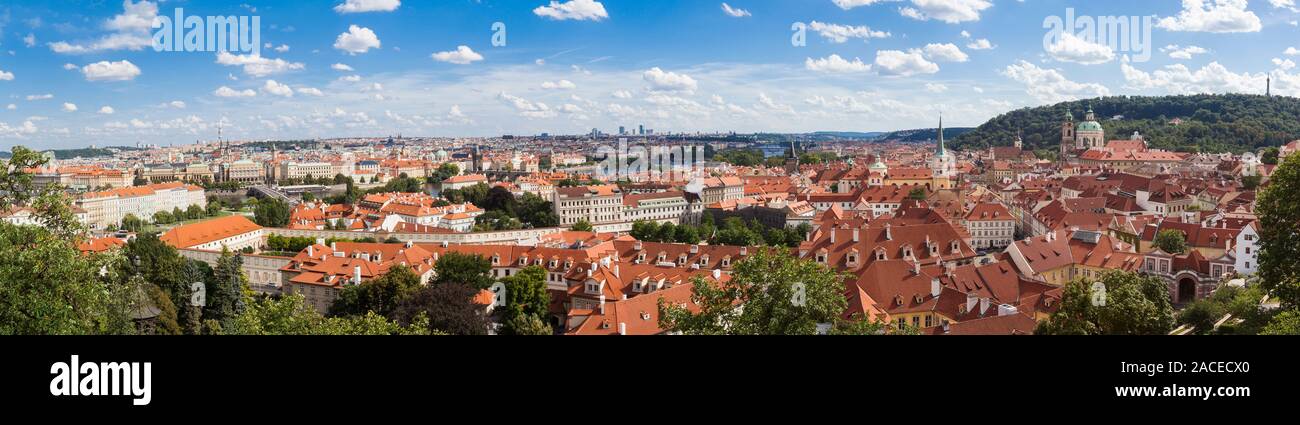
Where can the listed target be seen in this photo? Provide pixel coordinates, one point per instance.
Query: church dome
(1089, 126)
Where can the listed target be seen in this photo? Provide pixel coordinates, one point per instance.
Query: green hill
(924, 134)
(1210, 123)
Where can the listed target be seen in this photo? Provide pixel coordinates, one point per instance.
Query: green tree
(582, 226)
(526, 324)
(526, 295)
(770, 293)
(227, 293)
(163, 217)
(48, 288)
(469, 269)
(381, 295)
(291, 315)
(271, 212)
(447, 307)
(1278, 208)
(1133, 304)
(1171, 241)
(917, 194)
(1285, 323)
(132, 224)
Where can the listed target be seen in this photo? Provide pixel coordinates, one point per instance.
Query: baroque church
(1078, 138)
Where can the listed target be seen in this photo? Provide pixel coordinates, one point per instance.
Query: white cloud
(463, 55)
(29, 40)
(1179, 79)
(258, 66)
(357, 40)
(359, 6)
(350, 79)
(12, 107)
(6, 76)
(580, 10)
(622, 94)
(311, 91)
(525, 107)
(106, 110)
(559, 85)
(229, 92)
(69, 107)
(980, 44)
(734, 12)
(1070, 48)
(1217, 16)
(836, 64)
(70, 67)
(46, 96)
(935, 88)
(903, 64)
(661, 80)
(175, 104)
(1049, 85)
(274, 88)
(945, 53)
(111, 71)
(949, 11)
(849, 4)
(341, 67)
(842, 33)
(1179, 52)
(131, 30)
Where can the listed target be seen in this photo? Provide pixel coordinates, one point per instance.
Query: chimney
(616, 271)
(916, 269)
(984, 306)
(356, 275)
(856, 235)
(889, 234)
(935, 287)
(334, 246)
(320, 241)
(622, 328)
(409, 244)
(833, 232)
(717, 274)
(950, 268)
(602, 303)
(311, 253)
(971, 300)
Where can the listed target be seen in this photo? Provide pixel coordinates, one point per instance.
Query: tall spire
(941, 147)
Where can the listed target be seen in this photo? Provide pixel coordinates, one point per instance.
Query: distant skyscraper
(622, 131)
(641, 130)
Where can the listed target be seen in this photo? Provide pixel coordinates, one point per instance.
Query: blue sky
(77, 73)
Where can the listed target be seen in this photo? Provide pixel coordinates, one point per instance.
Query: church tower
(1090, 133)
(1067, 135)
(943, 164)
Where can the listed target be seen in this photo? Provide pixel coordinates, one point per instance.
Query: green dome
(1090, 126)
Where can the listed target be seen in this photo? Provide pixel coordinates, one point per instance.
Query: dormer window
(640, 258)
(568, 264)
(554, 263)
(704, 261)
(726, 261)
(881, 256)
(663, 256)
(853, 259)
(496, 259)
(681, 259)
(821, 256)
(956, 247)
(934, 250)
(907, 252)
(523, 261)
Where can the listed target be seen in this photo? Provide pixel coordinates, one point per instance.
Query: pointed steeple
(942, 149)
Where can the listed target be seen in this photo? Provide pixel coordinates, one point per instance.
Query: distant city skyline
(81, 73)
